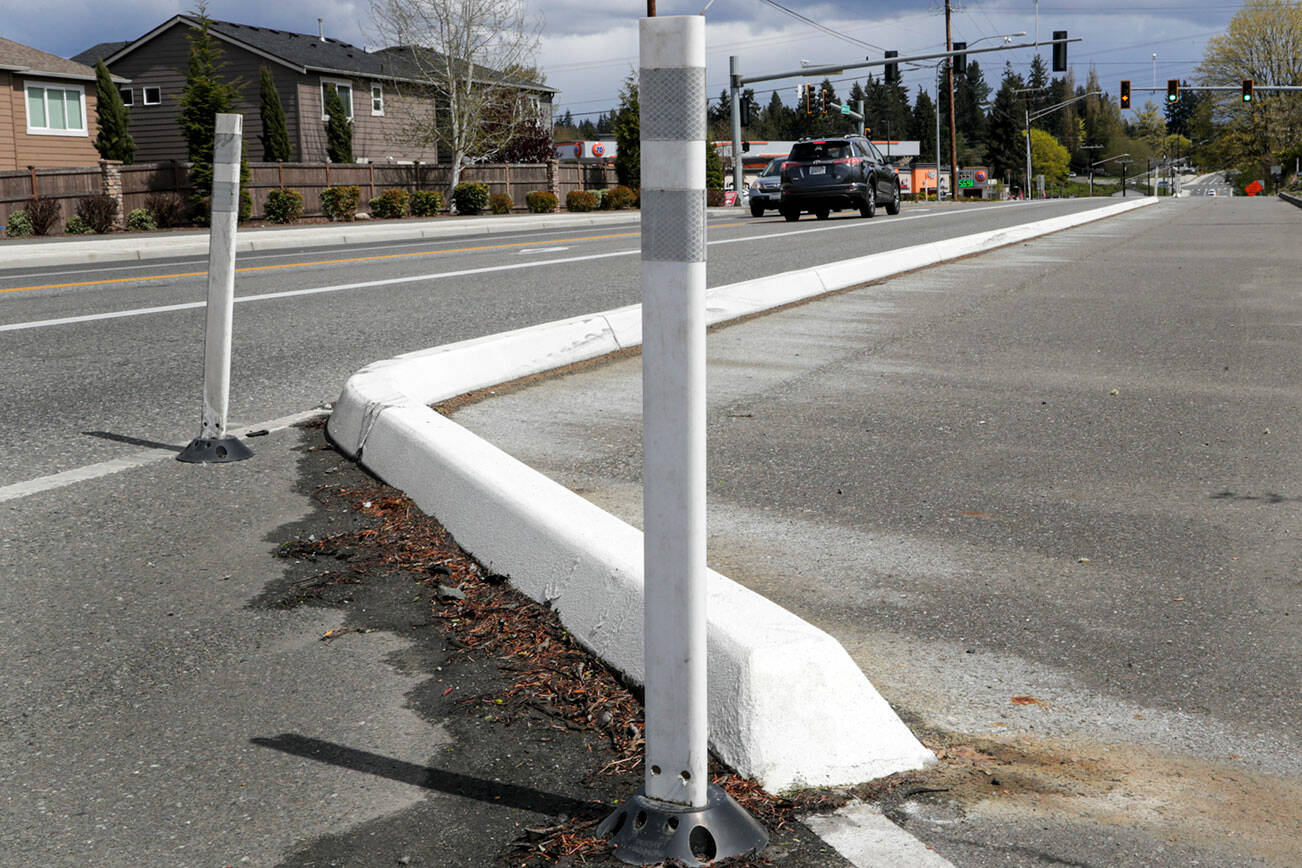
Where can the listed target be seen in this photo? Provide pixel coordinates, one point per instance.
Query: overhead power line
(823, 27)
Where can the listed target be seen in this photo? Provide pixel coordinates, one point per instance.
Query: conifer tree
(205, 96)
(339, 130)
(275, 136)
(114, 141)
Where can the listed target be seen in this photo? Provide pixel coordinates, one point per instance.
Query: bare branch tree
(469, 55)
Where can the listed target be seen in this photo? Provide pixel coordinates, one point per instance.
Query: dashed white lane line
(138, 459)
(867, 839)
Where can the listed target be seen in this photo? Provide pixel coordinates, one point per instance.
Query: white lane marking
(138, 459)
(542, 250)
(271, 296)
(866, 838)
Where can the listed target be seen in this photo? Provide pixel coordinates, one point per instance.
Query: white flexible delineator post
(671, 94)
(678, 814)
(213, 444)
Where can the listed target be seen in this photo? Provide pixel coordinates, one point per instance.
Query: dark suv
(826, 175)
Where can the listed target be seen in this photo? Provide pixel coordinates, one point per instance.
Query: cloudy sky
(589, 47)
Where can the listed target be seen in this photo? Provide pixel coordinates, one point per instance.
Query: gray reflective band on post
(660, 94)
(678, 814)
(673, 225)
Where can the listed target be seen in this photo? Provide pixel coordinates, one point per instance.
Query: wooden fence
(139, 181)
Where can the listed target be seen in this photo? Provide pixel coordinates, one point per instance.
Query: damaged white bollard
(214, 445)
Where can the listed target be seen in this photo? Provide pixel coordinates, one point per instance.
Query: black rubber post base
(647, 831)
(204, 451)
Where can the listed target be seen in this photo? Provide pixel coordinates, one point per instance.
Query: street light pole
(1028, 148)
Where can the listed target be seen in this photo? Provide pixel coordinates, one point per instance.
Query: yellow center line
(477, 249)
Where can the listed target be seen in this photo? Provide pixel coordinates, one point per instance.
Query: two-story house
(377, 95)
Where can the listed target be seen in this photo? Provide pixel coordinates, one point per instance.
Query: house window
(153, 95)
(345, 91)
(56, 110)
(377, 99)
(128, 98)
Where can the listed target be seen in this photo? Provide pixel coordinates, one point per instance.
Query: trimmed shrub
(714, 198)
(98, 212)
(500, 203)
(470, 197)
(168, 209)
(77, 225)
(340, 203)
(283, 206)
(618, 198)
(541, 202)
(390, 205)
(44, 214)
(141, 220)
(20, 225)
(580, 200)
(426, 203)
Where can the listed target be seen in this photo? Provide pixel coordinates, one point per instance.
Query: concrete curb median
(788, 706)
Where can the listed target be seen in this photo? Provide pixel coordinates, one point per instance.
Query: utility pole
(734, 99)
(949, 77)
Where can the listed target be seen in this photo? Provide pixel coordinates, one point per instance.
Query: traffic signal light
(1059, 51)
(960, 60)
(1173, 90)
(1247, 90)
(1125, 93)
(744, 110)
(809, 99)
(892, 69)
(823, 101)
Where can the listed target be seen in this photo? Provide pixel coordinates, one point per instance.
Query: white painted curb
(788, 706)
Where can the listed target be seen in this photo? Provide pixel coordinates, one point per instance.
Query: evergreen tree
(713, 168)
(1038, 82)
(924, 126)
(970, 93)
(777, 120)
(339, 130)
(1005, 136)
(205, 96)
(114, 141)
(628, 132)
(275, 136)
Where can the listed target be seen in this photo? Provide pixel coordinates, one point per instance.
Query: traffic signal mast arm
(1213, 87)
(837, 69)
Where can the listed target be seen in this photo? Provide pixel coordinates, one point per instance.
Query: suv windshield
(808, 152)
(774, 167)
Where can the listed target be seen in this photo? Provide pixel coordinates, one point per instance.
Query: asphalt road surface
(78, 390)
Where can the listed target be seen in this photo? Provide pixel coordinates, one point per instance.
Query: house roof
(99, 52)
(16, 57)
(299, 51)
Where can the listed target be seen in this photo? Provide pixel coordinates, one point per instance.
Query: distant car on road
(825, 175)
(766, 190)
